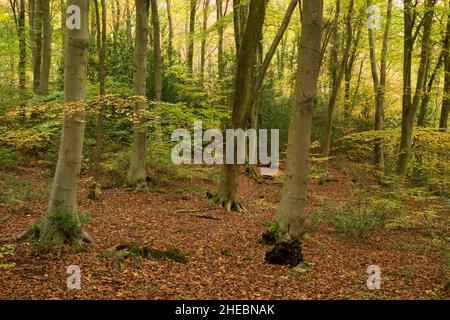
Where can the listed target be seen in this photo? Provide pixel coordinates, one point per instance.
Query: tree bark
(137, 174)
(242, 104)
(443, 121)
(203, 44)
(220, 30)
(46, 47)
(292, 209)
(190, 49)
(157, 58)
(410, 103)
(338, 74)
(22, 46)
(170, 48)
(379, 82)
(62, 205)
(36, 35)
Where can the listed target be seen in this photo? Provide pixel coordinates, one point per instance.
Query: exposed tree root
(231, 205)
(253, 172)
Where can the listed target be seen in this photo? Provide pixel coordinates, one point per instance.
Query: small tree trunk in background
(128, 21)
(36, 31)
(220, 30)
(242, 98)
(157, 58)
(170, 48)
(190, 49)
(292, 211)
(410, 104)
(63, 9)
(443, 121)
(63, 195)
(203, 44)
(46, 47)
(22, 46)
(137, 174)
(379, 82)
(338, 74)
(101, 49)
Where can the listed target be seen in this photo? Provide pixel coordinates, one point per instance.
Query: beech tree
(292, 210)
(411, 102)
(242, 104)
(443, 121)
(136, 177)
(60, 224)
(379, 79)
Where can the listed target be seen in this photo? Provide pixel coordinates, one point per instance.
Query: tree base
(46, 236)
(229, 204)
(285, 252)
(140, 186)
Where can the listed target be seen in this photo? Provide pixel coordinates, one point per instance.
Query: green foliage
(429, 164)
(360, 217)
(14, 190)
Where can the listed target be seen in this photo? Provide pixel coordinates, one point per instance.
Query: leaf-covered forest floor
(225, 258)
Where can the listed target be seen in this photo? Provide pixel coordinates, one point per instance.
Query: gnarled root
(285, 252)
(230, 204)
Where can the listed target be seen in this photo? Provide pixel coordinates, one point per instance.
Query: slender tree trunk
(203, 44)
(190, 51)
(169, 18)
(46, 47)
(128, 21)
(36, 31)
(157, 59)
(137, 174)
(101, 49)
(443, 121)
(338, 74)
(63, 9)
(410, 104)
(220, 29)
(292, 209)
(379, 82)
(22, 46)
(62, 205)
(242, 98)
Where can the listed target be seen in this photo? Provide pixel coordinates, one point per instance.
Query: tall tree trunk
(203, 44)
(338, 74)
(242, 104)
(443, 121)
(292, 210)
(62, 205)
(22, 46)
(220, 30)
(137, 174)
(36, 32)
(157, 59)
(101, 49)
(128, 21)
(170, 44)
(63, 9)
(410, 103)
(46, 47)
(379, 82)
(190, 49)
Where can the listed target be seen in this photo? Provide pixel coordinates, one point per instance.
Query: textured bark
(22, 45)
(294, 196)
(169, 18)
(65, 184)
(338, 73)
(379, 81)
(443, 121)
(203, 44)
(46, 47)
(190, 49)
(220, 30)
(157, 59)
(128, 21)
(101, 50)
(36, 41)
(137, 174)
(410, 103)
(242, 97)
